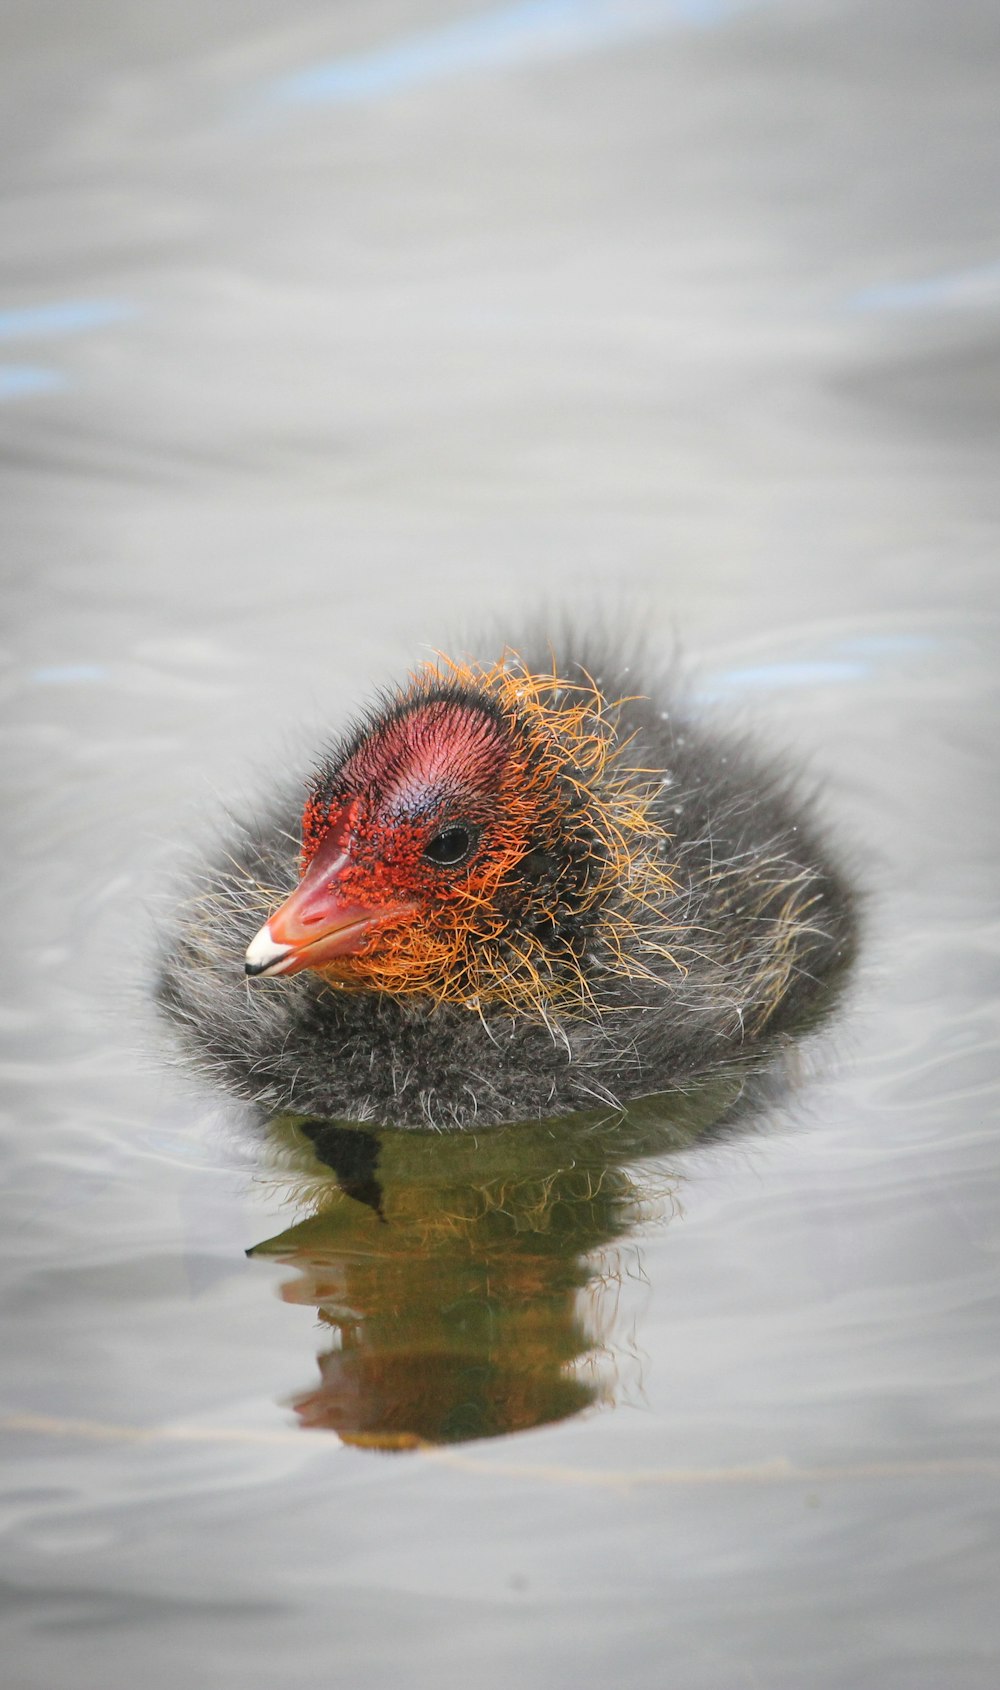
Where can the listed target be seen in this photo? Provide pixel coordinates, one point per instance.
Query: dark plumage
(641, 899)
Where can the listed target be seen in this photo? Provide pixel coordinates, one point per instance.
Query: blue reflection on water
(67, 316)
(511, 34)
(976, 286)
(19, 381)
(68, 674)
(856, 658)
(39, 322)
(813, 672)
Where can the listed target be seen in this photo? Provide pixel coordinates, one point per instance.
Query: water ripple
(510, 35)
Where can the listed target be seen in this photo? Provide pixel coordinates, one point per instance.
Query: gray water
(329, 340)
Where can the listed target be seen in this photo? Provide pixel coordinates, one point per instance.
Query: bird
(520, 887)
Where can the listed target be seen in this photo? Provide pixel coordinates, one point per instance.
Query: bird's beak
(317, 923)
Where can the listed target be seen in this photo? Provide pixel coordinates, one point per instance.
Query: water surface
(322, 342)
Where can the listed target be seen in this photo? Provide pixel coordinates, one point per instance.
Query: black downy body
(761, 924)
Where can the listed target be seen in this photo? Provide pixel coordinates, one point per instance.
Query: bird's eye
(451, 846)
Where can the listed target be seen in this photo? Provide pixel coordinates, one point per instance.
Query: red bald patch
(445, 746)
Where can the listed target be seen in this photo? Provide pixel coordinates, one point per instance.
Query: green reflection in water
(473, 1281)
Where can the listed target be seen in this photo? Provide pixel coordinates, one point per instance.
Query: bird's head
(469, 843)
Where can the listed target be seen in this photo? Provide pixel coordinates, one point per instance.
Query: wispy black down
(744, 928)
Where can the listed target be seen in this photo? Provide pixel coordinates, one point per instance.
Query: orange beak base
(316, 924)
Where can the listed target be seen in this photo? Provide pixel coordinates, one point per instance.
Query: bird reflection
(472, 1282)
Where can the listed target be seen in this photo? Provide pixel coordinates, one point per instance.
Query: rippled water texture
(322, 341)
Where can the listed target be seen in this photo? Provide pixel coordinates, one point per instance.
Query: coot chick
(516, 890)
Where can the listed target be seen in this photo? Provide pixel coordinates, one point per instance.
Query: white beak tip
(264, 956)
